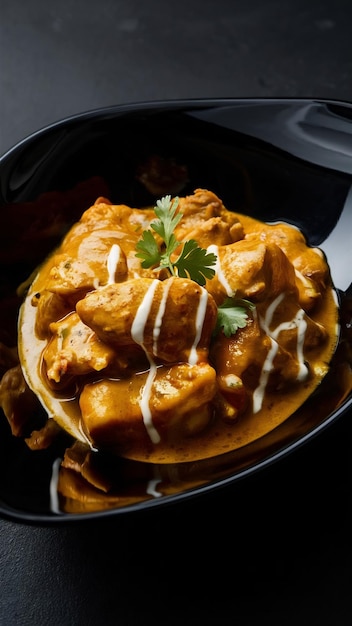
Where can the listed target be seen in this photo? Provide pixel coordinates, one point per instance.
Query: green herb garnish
(193, 262)
(232, 315)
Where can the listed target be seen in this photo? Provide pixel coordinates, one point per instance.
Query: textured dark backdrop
(58, 58)
(278, 549)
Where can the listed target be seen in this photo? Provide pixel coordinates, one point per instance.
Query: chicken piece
(50, 308)
(244, 354)
(80, 459)
(89, 481)
(214, 231)
(309, 293)
(312, 271)
(118, 414)
(74, 350)
(44, 437)
(252, 270)
(108, 215)
(280, 325)
(99, 249)
(87, 266)
(19, 403)
(206, 220)
(290, 325)
(172, 320)
(232, 397)
(125, 224)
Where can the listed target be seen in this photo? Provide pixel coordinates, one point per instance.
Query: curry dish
(130, 359)
(126, 358)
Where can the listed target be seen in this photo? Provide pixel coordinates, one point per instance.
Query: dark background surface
(277, 548)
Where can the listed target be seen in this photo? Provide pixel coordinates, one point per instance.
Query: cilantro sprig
(193, 262)
(232, 315)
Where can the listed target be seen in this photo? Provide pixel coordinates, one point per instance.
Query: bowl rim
(168, 103)
(111, 111)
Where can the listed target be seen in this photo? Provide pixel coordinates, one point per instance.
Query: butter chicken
(131, 358)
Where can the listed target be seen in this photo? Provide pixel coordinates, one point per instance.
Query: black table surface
(276, 549)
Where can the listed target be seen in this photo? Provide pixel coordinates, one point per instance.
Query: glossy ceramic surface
(274, 159)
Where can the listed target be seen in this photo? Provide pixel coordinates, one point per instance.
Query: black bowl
(282, 159)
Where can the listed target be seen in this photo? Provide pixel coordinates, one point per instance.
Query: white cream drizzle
(258, 394)
(85, 437)
(201, 311)
(265, 323)
(137, 334)
(53, 487)
(297, 322)
(112, 262)
(160, 315)
(145, 402)
(218, 271)
(140, 320)
(151, 488)
(153, 482)
(300, 323)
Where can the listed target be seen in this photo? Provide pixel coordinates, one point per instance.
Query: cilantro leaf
(165, 210)
(148, 250)
(195, 262)
(232, 315)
